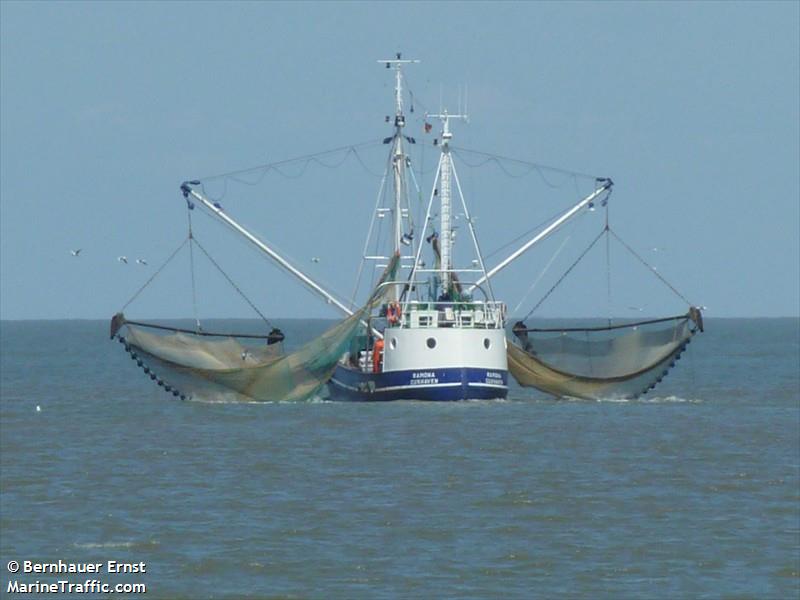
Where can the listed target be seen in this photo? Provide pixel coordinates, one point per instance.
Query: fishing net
(621, 361)
(189, 364)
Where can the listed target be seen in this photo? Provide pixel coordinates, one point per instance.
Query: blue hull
(429, 384)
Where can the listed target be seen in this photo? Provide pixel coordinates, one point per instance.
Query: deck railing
(466, 315)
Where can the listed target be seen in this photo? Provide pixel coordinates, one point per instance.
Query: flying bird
(141, 261)
(123, 259)
(315, 259)
(76, 252)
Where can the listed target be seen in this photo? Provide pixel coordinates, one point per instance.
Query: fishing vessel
(441, 334)
(430, 327)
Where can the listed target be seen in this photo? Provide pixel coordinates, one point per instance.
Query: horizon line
(509, 318)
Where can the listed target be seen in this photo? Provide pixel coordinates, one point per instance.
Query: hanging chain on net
(566, 273)
(154, 275)
(191, 240)
(651, 268)
(191, 269)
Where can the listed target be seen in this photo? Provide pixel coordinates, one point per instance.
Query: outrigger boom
(607, 185)
(282, 262)
(329, 297)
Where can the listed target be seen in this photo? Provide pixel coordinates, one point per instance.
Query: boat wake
(669, 400)
(221, 397)
(639, 400)
(231, 397)
(126, 544)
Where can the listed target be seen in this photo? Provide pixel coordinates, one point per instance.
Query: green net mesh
(191, 365)
(595, 363)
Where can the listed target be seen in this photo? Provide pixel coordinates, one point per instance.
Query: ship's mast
(446, 198)
(398, 155)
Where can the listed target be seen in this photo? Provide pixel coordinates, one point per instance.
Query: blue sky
(692, 108)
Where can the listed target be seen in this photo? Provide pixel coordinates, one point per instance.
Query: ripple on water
(117, 544)
(692, 493)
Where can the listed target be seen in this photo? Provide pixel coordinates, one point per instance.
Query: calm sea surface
(693, 492)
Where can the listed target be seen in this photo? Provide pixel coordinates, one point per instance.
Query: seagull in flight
(141, 261)
(123, 259)
(75, 252)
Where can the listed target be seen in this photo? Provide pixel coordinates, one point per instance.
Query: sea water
(692, 491)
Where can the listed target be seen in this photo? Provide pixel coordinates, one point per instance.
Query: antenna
(445, 117)
(397, 63)
(398, 60)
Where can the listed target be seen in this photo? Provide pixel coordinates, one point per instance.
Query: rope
(202, 333)
(379, 232)
(307, 157)
(604, 328)
(287, 176)
(154, 275)
(216, 198)
(192, 240)
(608, 268)
(509, 173)
(264, 169)
(369, 234)
(224, 274)
(191, 270)
(650, 267)
(549, 219)
(364, 166)
(542, 274)
(414, 98)
(567, 272)
(227, 226)
(496, 158)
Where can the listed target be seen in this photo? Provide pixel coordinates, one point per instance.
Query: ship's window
(487, 343)
(393, 343)
(431, 342)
